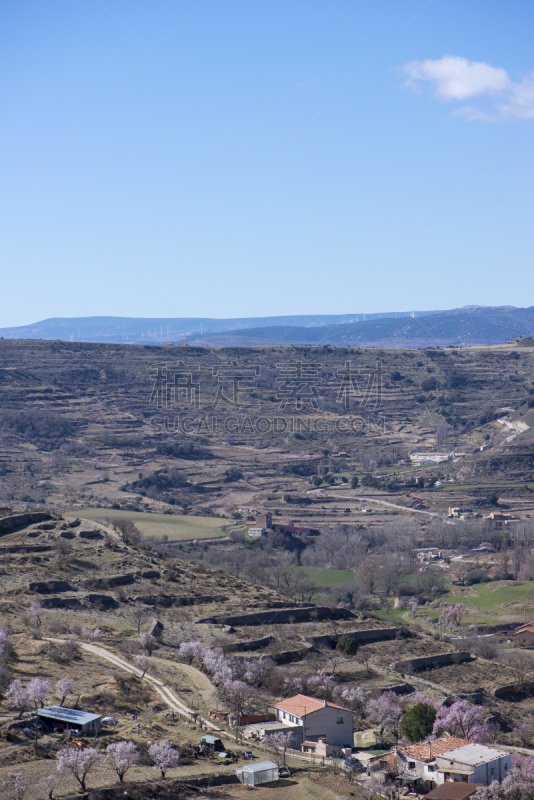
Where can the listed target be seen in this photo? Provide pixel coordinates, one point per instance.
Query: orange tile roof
(529, 626)
(421, 752)
(301, 704)
(391, 760)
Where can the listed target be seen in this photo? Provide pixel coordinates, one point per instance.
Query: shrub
(418, 722)
(429, 385)
(347, 645)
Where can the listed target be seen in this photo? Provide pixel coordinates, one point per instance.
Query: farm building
(416, 763)
(310, 719)
(473, 763)
(321, 749)
(256, 533)
(524, 635)
(256, 774)
(69, 719)
(295, 530)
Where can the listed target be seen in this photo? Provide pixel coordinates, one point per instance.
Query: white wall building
(316, 719)
(473, 763)
(256, 533)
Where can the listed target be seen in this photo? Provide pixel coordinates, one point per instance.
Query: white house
(256, 533)
(473, 763)
(311, 719)
(416, 764)
(429, 764)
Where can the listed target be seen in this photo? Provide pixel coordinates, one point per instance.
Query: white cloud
(457, 78)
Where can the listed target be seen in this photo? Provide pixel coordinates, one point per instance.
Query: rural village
(204, 596)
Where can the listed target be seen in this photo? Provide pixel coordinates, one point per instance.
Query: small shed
(60, 718)
(212, 742)
(256, 774)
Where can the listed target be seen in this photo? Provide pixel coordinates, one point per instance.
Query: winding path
(166, 694)
(322, 493)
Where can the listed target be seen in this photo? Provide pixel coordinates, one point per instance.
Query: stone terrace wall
(432, 661)
(361, 637)
(279, 616)
(11, 523)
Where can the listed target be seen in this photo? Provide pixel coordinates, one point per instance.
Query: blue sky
(259, 158)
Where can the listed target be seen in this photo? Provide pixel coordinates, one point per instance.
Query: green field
(491, 597)
(328, 577)
(176, 528)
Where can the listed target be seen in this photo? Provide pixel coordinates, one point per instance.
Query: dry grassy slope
(89, 566)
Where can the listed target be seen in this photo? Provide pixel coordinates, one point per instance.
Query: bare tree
(128, 531)
(368, 575)
(521, 663)
(239, 697)
(390, 574)
(139, 615)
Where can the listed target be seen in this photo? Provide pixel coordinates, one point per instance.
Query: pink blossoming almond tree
(64, 687)
(121, 756)
(164, 756)
(143, 663)
(462, 719)
(79, 763)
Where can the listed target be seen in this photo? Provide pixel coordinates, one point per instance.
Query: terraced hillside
(96, 424)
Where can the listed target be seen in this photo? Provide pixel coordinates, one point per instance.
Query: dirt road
(166, 694)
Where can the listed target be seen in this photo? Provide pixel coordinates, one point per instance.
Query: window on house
(411, 764)
(340, 720)
(430, 768)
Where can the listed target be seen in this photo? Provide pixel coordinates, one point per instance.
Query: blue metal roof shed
(70, 718)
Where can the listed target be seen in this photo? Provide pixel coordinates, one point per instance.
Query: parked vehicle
(353, 764)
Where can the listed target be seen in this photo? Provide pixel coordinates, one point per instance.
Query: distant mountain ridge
(459, 327)
(155, 330)
(472, 325)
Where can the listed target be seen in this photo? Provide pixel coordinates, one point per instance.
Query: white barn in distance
(256, 533)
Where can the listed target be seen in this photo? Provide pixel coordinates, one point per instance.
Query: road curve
(161, 688)
(364, 498)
